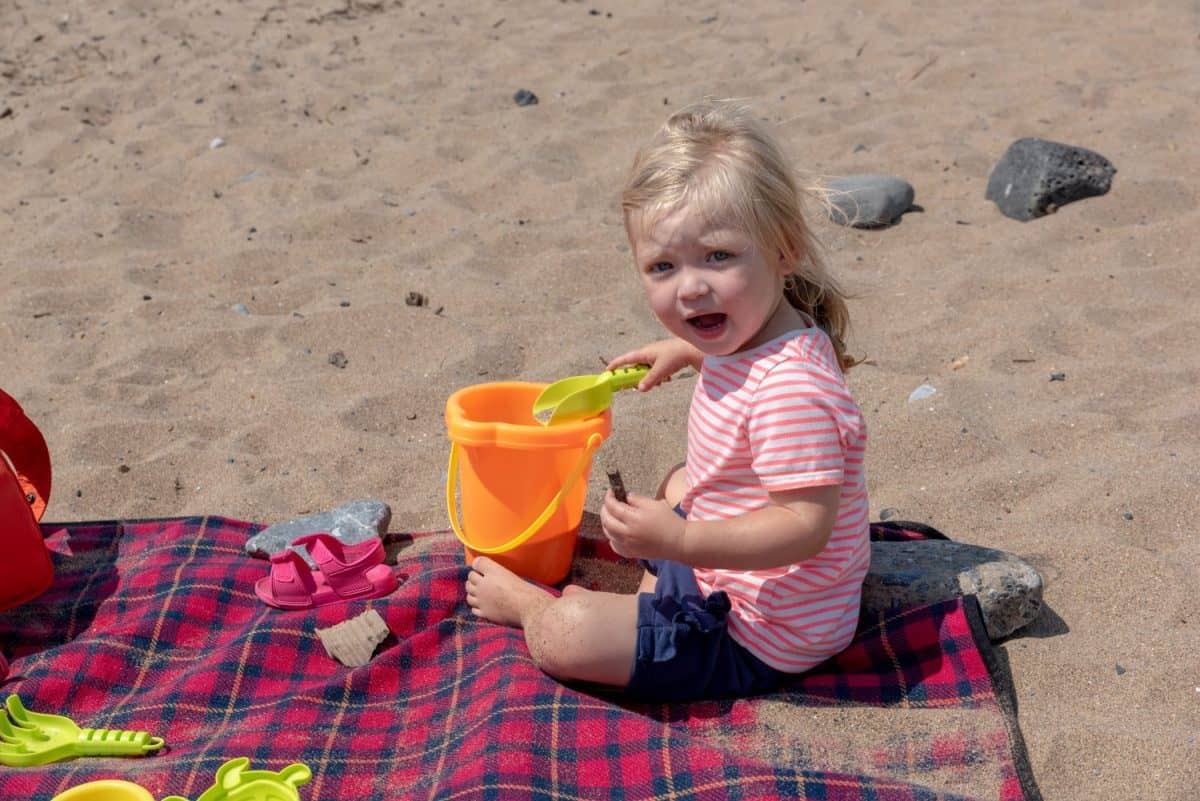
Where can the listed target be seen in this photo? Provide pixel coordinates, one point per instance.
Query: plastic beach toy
(33, 738)
(584, 396)
(105, 790)
(523, 483)
(26, 570)
(235, 783)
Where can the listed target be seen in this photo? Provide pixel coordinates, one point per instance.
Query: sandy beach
(229, 327)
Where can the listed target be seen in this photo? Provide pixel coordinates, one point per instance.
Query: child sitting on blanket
(756, 547)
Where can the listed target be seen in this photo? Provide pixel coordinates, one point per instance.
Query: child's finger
(617, 511)
(638, 356)
(658, 374)
(610, 512)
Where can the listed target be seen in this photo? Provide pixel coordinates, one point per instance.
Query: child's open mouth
(707, 325)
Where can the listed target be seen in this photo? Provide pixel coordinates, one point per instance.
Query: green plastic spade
(584, 395)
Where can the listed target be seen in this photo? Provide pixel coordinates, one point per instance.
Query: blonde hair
(715, 156)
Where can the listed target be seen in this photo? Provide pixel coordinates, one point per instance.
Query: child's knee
(555, 636)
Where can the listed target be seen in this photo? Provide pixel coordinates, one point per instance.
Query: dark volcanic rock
(1034, 177)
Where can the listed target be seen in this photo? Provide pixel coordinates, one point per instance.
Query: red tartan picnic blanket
(154, 626)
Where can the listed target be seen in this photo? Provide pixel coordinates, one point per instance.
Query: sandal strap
(344, 568)
(291, 577)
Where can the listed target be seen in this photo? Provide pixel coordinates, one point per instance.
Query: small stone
(1127, 515)
(216, 143)
(357, 521)
(1120, 670)
(1035, 177)
(338, 360)
(888, 513)
(524, 97)
(1058, 376)
(868, 201)
(927, 571)
(415, 299)
(240, 308)
(922, 392)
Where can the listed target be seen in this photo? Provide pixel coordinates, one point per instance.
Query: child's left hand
(643, 528)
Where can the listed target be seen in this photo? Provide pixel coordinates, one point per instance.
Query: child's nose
(692, 284)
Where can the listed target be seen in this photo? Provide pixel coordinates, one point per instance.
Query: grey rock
(1035, 177)
(357, 521)
(868, 201)
(926, 571)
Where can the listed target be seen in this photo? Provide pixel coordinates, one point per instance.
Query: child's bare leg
(674, 485)
(581, 636)
(649, 582)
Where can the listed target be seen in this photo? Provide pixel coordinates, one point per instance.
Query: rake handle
(114, 742)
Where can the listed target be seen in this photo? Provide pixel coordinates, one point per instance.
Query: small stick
(618, 486)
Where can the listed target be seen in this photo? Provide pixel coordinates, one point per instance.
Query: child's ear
(783, 265)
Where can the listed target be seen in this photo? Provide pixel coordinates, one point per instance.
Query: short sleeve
(801, 422)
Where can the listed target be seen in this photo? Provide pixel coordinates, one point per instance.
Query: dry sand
(373, 149)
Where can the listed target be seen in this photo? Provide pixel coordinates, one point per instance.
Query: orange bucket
(523, 484)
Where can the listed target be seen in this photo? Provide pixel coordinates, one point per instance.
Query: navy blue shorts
(684, 651)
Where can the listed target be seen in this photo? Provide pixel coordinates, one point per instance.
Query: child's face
(709, 283)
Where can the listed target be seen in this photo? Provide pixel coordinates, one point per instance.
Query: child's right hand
(641, 527)
(665, 357)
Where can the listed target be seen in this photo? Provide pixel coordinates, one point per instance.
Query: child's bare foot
(497, 594)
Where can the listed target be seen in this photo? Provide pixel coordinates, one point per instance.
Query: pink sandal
(344, 573)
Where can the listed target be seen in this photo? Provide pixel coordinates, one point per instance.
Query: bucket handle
(452, 507)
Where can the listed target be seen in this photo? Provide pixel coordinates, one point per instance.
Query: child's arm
(665, 357)
(794, 527)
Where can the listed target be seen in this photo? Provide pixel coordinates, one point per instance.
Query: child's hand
(642, 528)
(665, 357)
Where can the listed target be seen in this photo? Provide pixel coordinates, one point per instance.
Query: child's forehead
(683, 219)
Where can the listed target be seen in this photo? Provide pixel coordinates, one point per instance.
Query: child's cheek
(662, 303)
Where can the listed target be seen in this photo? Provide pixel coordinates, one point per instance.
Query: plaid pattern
(154, 626)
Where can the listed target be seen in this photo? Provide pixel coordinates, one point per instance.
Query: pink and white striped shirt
(780, 417)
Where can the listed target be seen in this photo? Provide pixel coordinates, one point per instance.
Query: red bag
(25, 567)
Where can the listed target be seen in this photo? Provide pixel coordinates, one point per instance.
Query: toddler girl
(756, 547)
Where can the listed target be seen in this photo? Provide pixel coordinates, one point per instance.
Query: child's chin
(713, 348)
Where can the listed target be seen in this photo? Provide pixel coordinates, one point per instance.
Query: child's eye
(660, 267)
(720, 255)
